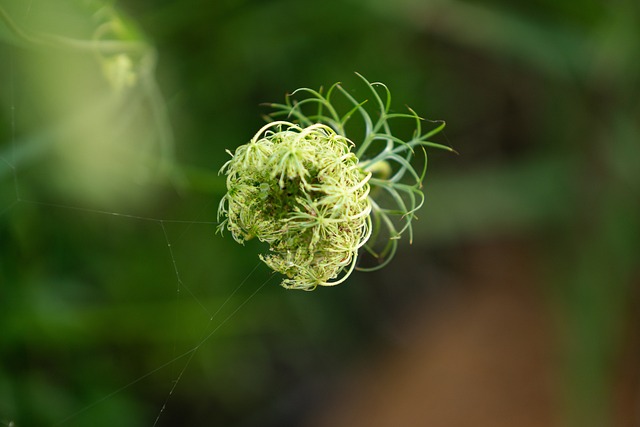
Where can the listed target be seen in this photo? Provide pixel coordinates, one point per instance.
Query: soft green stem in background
(128, 64)
(61, 42)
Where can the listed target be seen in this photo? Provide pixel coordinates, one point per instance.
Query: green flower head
(305, 189)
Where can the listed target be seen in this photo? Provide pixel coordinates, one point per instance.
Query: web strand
(189, 354)
(118, 214)
(12, 118)
(181, 284)
(205, 338)
(207, 331)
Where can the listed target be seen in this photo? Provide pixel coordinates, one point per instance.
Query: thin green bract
(305, 188)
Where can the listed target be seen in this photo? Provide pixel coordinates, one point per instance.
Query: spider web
(215, 320)
(26, 194)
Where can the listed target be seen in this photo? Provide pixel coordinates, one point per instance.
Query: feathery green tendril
(316, 199)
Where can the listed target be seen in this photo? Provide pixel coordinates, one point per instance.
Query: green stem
(50, 40)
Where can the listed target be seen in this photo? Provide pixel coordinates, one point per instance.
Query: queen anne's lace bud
(301, 191)
(300, 188)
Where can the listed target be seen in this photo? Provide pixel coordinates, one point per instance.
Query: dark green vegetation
(100, 147)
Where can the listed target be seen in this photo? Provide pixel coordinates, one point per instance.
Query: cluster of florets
(302, 191)
(303, 187)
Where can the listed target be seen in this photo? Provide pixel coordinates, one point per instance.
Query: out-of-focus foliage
(103, 299)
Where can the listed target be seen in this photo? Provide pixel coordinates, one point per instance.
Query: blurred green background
(114, 120)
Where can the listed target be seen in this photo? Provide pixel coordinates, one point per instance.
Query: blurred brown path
(483, 357)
